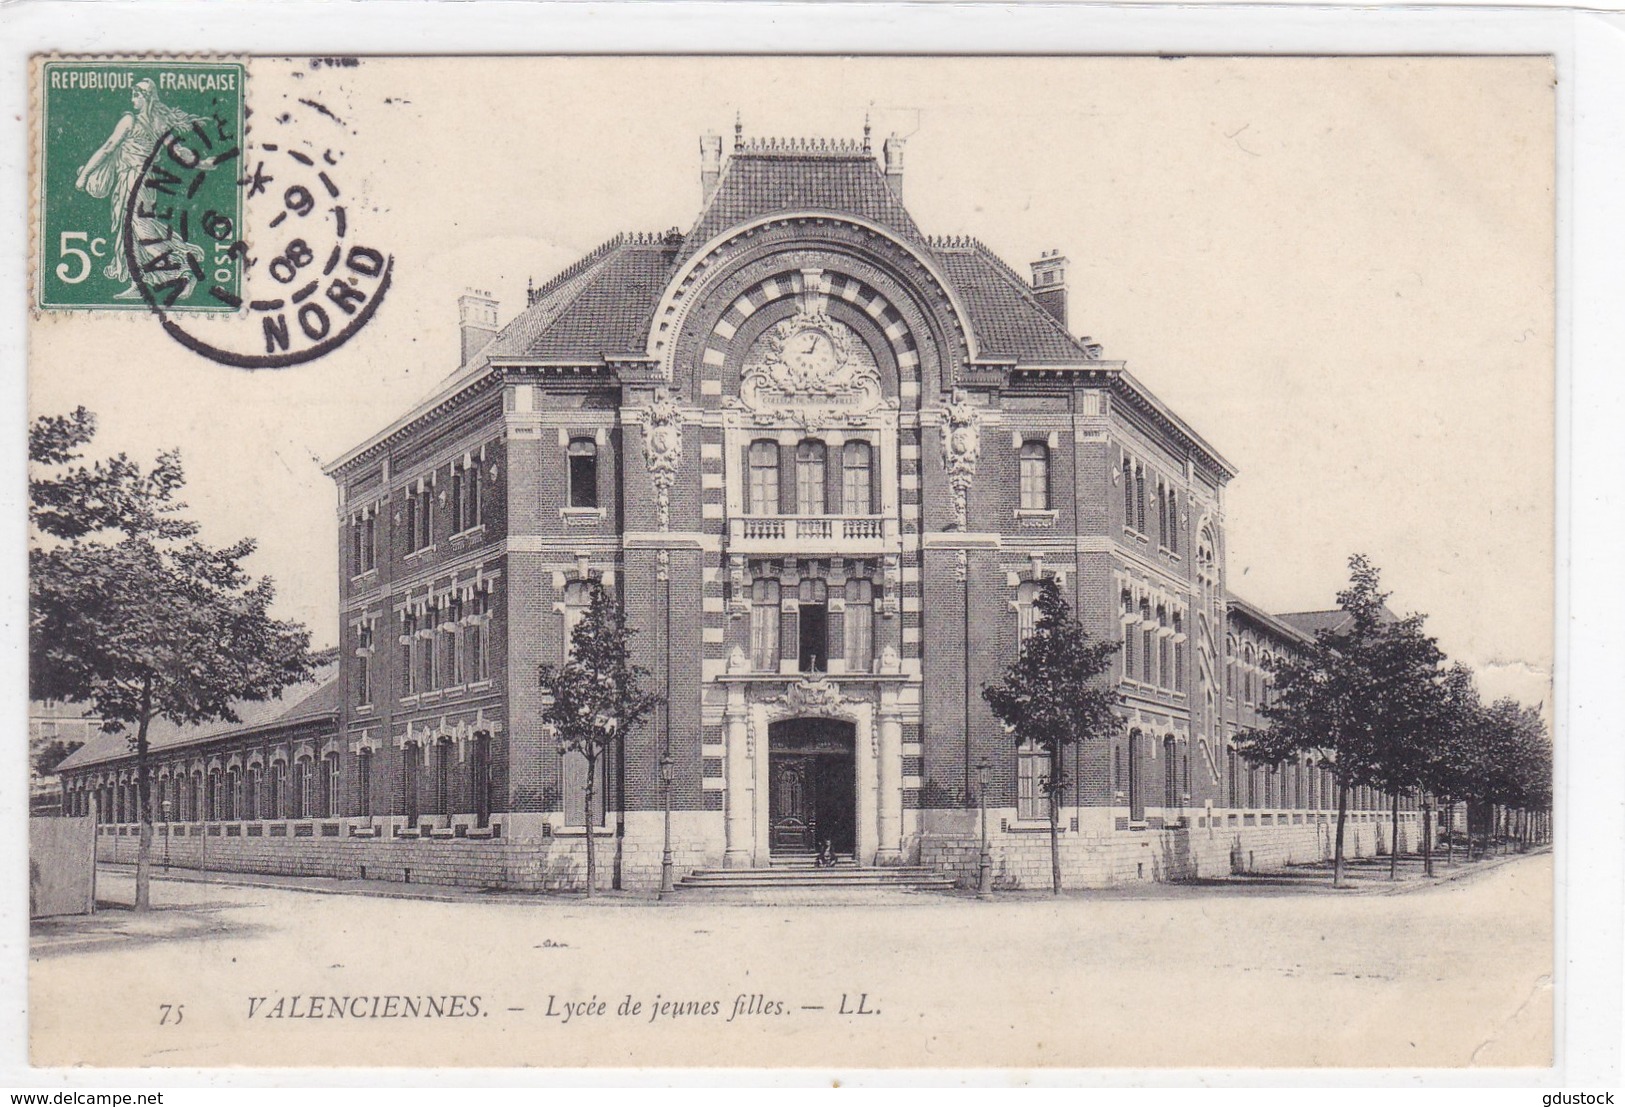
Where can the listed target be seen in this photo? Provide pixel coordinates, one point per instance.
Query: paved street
(1450, 975)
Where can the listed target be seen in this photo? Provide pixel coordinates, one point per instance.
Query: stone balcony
(849, 535)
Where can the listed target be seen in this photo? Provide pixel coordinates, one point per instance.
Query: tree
(1458, 718)
(1052, 697)
(131, 613)
(52, 754)
(596, 696)
(1359, 698)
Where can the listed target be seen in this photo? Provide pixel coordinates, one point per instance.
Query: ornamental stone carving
(812, 370)
(663, 449)
(812, 697)
(961, 450)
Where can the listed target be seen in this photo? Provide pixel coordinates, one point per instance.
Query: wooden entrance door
(812, 790)
(793, 803)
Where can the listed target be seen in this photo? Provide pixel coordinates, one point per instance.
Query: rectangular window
(764, 626)
(1032, 773)
(410, 763)
(810, 478)
(1173, 521)
(1147, 656)
(856, 479)
(1034, 476)
(1128, 492)
(409, 636)
(577, 598)
(1165, 665)
(442, 778)
(583, 472)
(573, 772)
(1128, 651)
(763, 461)
(456, 498)
(473, 515)
(424, 644)
(363, 665)
(426, 517)
(363, 783)
(1139, 499)
(860, 626)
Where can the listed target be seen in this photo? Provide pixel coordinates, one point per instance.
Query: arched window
(810, 477)
(764, 626)
(857, 479)
(277, 808)
(860, 626)
(1026, 610)
(1034, 476)
(583, 472)
(763, 458)
(231, 805)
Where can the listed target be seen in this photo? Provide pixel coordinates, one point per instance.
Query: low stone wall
(1099, 857)
(331, 848)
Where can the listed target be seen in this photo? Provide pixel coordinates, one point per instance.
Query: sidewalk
(1362, 876)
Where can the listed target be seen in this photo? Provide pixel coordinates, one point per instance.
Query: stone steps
(805, 875)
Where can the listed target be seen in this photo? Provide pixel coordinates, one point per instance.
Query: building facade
(825, 461)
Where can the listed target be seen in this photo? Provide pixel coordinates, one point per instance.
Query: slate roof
(764, 179)
(1006, 318)
(1335, 620)
(313, 700)
(601, 305)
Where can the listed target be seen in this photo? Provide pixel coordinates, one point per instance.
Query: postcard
(791, 561)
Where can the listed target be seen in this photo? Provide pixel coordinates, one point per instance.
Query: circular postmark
(308, 290)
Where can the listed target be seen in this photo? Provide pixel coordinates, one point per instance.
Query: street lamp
(984, 864)
(168, 831)
(666, 885)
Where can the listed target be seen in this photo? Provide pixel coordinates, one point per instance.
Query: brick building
(824, 459)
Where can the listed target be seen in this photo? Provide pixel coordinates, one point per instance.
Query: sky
(1338, 271)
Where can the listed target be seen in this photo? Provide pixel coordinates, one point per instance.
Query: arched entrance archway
(812, 796)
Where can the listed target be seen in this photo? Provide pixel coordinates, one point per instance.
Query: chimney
(477, 312)
(1049, 284)
(892, 149)
(710, 165)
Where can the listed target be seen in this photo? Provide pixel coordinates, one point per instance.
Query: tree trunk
(1342, 814)
(1055, 841)
(1393, 840)
(143, 791)
(1449, 825)
(1427, 836)
(587, 819)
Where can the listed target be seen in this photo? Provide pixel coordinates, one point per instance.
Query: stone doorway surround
(869, 705)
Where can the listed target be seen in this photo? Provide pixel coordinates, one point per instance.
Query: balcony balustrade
(853, 534)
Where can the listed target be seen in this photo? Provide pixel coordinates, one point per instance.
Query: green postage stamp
(138, 201)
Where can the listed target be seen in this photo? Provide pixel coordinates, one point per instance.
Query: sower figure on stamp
(114, 171)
